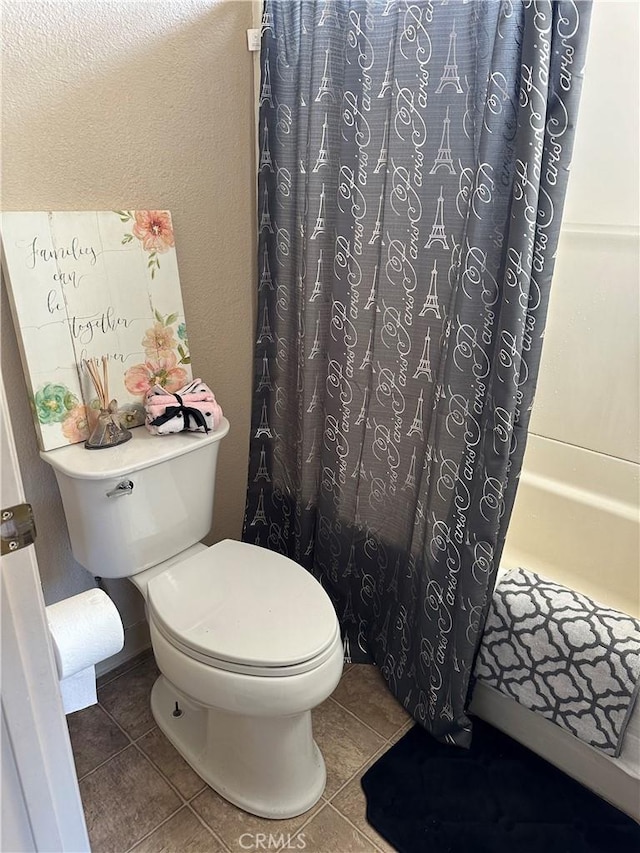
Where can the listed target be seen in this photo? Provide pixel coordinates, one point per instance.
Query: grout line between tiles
(346, 674)
(300, 829)
(220, 840)
(352, 824)
(120, 751)
(135, 740)
(116, 723)
(183, 800)
(151, 831)
(102, 763)
(375, 757)
(186, 800)
(360, 720)
(337, 808)
(197, 794)
(371, 760)
(356, 717)
(131, 742)
(150, 761)
(312, 816)
(124, 731)
(378, 754)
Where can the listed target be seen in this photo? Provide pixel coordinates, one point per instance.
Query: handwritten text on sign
(88, 284)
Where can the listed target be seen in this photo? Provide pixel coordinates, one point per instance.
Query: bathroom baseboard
(136, 640)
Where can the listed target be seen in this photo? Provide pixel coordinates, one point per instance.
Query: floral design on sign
(54, 403)
(183, 348)
(163, 354)
(92, 285)
(154, 229)
(76, 426)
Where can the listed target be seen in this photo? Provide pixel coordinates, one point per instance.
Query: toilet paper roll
(79, 691)
(85, 629)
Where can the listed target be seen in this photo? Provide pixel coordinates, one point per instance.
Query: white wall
(111, 104)
(576, 517)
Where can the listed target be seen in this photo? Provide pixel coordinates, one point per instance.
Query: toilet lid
(243, 604)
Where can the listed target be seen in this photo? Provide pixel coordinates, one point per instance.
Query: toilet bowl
(246, 640)
(247, 643)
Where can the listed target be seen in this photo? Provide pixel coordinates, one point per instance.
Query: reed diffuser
(108, 431)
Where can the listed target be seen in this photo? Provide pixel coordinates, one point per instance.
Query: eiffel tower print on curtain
(431, 302)
(443, 157)
(265, 274)
(437, 234)
(450, 75)
(326, 88)
(317, 284)
(263, 472)
(323, 152)
(319, 227)
(370, 322)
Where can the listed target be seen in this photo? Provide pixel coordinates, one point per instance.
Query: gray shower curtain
(413, 166)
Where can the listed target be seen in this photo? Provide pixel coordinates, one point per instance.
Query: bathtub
(576, 520)
(616, 780)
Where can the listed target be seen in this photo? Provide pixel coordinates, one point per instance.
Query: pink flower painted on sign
(76, 426)
(163, 371)
(159, 341)
(154, 229)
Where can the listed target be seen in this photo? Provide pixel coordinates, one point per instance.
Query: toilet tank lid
(142, 451)
(244, 604)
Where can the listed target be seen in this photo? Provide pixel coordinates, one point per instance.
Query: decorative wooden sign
(85, 285)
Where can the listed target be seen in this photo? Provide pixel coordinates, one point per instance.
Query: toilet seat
(245, 609)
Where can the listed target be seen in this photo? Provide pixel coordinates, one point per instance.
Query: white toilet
(247, 641)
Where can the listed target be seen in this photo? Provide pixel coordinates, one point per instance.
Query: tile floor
(140, 795)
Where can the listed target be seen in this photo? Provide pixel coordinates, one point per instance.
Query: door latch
(18, 528)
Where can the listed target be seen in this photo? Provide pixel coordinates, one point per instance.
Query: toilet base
(268, 766)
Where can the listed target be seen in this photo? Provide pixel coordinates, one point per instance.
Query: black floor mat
(497, 797)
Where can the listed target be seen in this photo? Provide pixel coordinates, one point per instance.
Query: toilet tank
(133, 506)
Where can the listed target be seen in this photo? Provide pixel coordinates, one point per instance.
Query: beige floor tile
(127, 698)
(170, 763)
(352, 803)
(124, 800)
(94, 738)
(344, 741)
(363, 691)
(238, 829)
(183, 833)
(329, 832)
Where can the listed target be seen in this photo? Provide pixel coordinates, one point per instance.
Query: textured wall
(110, 105)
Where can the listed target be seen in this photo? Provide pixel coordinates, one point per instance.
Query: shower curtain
(412, 169)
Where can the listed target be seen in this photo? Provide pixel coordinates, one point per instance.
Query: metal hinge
(18, 528)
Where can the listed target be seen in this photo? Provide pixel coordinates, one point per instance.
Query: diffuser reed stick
(108, 431)
(100, 383)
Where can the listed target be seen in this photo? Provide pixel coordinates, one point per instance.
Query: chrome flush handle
(124, 487)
